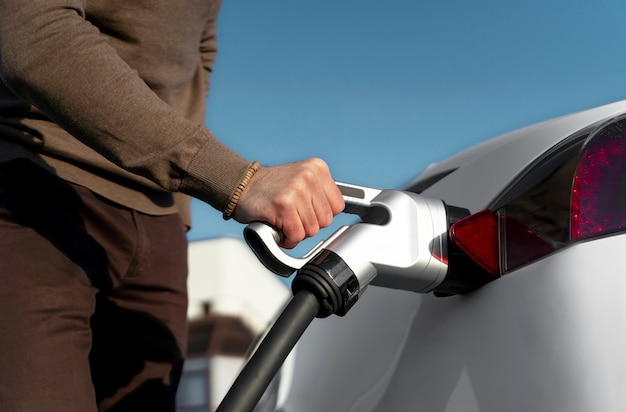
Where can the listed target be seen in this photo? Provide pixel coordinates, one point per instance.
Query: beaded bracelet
(234, 199)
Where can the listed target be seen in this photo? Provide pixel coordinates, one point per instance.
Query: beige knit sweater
(110, 94)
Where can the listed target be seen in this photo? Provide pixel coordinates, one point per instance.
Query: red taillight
(477, 236)
(498, 243)
(576, 190)
(519, 245)
(598, 193)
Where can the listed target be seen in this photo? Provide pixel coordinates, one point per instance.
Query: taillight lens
(577, 191)
(519, 245)
(498, 243)
(599, 190)
(477, 236)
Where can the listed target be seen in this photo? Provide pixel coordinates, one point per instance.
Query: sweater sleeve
(54, 59)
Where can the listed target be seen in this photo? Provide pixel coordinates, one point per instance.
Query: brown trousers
(92, 299)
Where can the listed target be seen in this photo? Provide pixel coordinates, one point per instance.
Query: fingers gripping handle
(263, 239)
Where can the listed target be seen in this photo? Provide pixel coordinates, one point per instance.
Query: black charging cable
(267, 360)
(322, 287)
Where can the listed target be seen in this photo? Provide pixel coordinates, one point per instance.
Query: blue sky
(380, 89)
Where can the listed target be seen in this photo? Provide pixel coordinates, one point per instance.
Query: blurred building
(233, 300)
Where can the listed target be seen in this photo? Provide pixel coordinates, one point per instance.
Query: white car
(547, 208)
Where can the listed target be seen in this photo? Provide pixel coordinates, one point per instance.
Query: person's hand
(297, 198)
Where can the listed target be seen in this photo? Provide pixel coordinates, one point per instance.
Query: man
(101, 143)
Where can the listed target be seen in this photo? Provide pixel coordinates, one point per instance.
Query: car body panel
(546, 337)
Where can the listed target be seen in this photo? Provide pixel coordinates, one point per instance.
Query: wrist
(236, 196)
